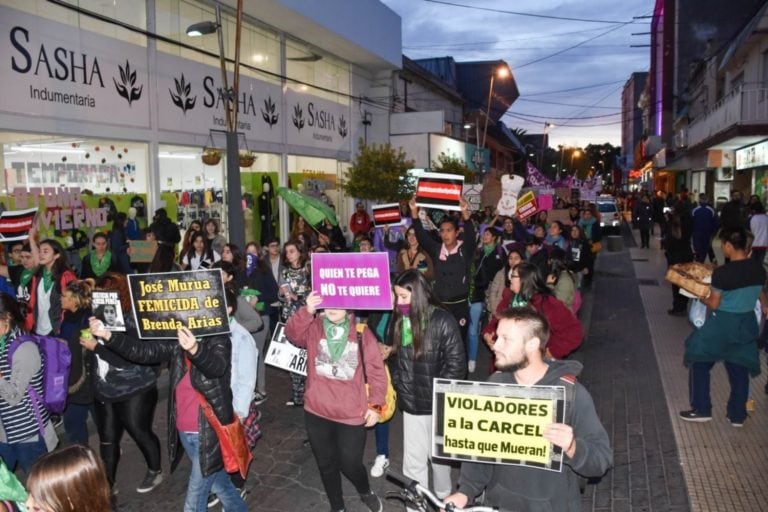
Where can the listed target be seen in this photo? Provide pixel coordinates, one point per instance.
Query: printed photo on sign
(106, 307)
(352, 280)
(386, 214)
(438, 190)
(163, 303)
(285, 355)
(497, 423)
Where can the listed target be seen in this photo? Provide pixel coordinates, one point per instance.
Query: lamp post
(503, 73)
(544, 143)
(574, 153)
(235, 222)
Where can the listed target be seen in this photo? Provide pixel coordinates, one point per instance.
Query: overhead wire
(527, 14)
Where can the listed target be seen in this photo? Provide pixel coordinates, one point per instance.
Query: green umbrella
(313, 210)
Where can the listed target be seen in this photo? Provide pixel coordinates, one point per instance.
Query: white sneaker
(471, 365)
(379, 465)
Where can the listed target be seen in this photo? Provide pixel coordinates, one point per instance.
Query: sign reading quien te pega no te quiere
(162, 303)
(356, 280)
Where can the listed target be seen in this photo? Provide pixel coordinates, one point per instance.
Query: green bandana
(488, 249)
(26, 276)
(407, 337)
(47, 280)
(336, 335)
(518, 302)
(100, 267)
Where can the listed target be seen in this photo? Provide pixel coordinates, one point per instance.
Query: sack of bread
(693, 277)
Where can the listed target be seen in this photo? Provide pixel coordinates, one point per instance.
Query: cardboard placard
(526, 205)
(496, 423)
(386, 214)
(142, 251)
(106, 307)
(439, 190)
(356, 280)
(162, 303)
(285, 355)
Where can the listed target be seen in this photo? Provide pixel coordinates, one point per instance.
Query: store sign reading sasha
(55, 70)
(317, 122)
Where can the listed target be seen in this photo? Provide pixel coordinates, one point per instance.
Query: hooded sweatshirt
(528, 489)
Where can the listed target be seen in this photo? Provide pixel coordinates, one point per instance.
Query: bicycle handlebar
(416, 488)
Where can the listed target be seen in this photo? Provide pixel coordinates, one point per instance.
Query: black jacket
(211, 369)
(443, 357)
(452, 274)
(486, 268)
(80, 384)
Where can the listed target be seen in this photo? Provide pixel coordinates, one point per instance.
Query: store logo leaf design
(343, 127)
(298, 116)
(181, 98)
(269, 112)
(127, 86)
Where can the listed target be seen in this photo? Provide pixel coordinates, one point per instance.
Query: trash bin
(614, 243)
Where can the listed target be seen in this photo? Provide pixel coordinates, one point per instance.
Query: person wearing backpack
(44, 313)
(27, 432)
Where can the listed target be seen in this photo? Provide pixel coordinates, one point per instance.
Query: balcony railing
(741, 107)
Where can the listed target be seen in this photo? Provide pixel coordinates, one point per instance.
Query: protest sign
(526, 205)
(438, 190)
(285, 355)
(142, 251)
(496, 423)
(15, 224)
(386, 214)
(106, 307)
(162, 303)
(473, 197)
(357, 280)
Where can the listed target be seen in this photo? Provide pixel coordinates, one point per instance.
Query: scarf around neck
(99, 267)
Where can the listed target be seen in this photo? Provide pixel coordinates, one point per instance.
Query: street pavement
(628, 334)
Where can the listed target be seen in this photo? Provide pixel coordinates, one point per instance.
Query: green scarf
(26, 276)
(518, 302)
(336, 335)
(100, 267)
(407, 335)
(488, 249)
(3, 339)
(47, 279)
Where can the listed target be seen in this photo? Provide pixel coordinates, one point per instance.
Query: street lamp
(235, 222)
(503, 72)
(544, 142)
(574, 153)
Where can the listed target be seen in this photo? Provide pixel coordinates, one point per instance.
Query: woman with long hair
(231, 253)
(303, 231)
(494, 293)
(76, 303)
(411, 255)
(488, 261)
(23, 437)
(44, 313)
(293, 287)
(186, 243)
(214, 240)
(126, 396)
(581, 260)
(528, 288)
(560, 279)
(199, 255)
(426, 344)
(71, 479)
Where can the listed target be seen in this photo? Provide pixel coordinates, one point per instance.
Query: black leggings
(338, 448)
(135, 415)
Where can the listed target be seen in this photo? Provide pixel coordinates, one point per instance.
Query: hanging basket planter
(211, 156)
(247, 158)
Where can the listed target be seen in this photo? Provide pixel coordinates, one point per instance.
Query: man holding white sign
(519, 352)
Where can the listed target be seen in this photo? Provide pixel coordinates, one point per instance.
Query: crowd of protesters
(454, 275)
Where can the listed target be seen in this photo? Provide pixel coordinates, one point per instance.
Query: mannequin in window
(265, 210)
(132, 228)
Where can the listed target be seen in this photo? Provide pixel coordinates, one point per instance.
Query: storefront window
(259, 49)
(132, 13)
(317, 68)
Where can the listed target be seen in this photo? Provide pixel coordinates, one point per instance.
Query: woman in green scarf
(488, 261)
(100, 260)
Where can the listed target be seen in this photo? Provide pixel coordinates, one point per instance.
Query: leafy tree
(453, 165)
(380, 173)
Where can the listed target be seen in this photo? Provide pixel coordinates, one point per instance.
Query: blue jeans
(381, 430)
(199, 486)
(475, 313)
(738, 376)
(76, 422)
(23, 454)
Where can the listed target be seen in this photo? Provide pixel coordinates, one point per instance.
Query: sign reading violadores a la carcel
(54, 70)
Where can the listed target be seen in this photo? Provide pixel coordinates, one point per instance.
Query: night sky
(543, 55)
